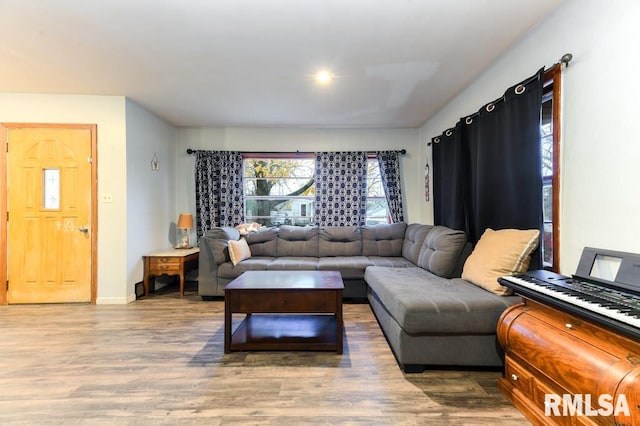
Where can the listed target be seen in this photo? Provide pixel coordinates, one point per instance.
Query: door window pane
(51, 189)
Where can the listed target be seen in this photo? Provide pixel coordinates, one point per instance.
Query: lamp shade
(185, 221)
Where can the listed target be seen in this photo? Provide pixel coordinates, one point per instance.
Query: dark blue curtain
(219, 189)
(341, 188)
(449, 172)
(389, 163)
(487, 170)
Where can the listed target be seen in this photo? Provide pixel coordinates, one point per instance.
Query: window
(550, 147)
(51, 189)
(377, 209)
(280, 190)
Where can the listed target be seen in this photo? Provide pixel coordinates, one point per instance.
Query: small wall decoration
(155, 164)
(426, 182)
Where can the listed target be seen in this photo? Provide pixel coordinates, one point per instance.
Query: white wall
(151, 201)
(303, 140)
(108, 113)
(599, 171)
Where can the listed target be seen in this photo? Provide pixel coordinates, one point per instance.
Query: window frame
(383, 197)
(553, 86)
(305, 156)
(275, 156)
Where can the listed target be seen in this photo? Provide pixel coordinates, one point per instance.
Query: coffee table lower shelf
(286, 332)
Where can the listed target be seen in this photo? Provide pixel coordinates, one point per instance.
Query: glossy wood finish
(549, 351)
(169, 262)
(285, 292)
(160, 361)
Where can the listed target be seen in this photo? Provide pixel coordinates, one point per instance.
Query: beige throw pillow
(500, 253)
(239, 251)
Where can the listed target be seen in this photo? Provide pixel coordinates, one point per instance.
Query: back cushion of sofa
(218, 241)
(299, 241)
(441, 250)
(383, 240)
(413, 239)
(263, 242)
(340, 241)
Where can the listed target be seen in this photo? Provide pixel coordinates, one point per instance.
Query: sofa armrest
(466, 251)
(207, 270)
(213, 252)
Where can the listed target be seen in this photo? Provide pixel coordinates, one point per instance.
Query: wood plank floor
(160, 361)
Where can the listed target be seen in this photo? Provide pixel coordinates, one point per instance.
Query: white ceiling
(249, 62)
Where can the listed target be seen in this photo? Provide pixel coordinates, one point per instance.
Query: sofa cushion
(339, 241)
(293, 263)
(390, 262)
(239, 250)
(297, 241)
(350, 267)
(424, 303)
(229, 270)
(413, 239)
(441, 250)
(500, 253)
(383, 240)
(263, 241)
(218, 241)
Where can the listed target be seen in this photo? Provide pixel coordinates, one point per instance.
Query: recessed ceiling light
(323, 77)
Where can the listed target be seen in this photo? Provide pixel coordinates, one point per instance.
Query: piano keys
(605, 289)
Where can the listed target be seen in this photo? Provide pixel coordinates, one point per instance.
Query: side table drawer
(164, 264)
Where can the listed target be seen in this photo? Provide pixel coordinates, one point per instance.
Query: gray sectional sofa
(408, 274)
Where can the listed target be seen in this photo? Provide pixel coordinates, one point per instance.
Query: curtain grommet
(520, 89)
(469, 120)
(490, 107)
(448, 133)
(436, 140)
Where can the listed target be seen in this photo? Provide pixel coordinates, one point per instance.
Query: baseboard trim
(116, 300)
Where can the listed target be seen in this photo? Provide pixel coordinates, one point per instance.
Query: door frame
(4, 193)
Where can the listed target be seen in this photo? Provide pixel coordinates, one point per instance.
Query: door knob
(83, 229)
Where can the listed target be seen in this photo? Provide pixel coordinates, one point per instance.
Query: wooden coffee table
(285, 310)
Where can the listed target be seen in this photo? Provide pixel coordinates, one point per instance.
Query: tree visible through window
(281, 191)
(377, 208)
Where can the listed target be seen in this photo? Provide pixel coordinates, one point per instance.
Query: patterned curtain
(219, 196)
(390, 173)
(341, 188)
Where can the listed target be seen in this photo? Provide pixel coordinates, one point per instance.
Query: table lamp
(185, 222)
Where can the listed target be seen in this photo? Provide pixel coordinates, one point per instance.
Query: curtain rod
(192, 151)
(564, 60)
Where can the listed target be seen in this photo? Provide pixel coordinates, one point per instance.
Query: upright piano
(572, 348)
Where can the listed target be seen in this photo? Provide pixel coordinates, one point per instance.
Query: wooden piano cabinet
(551, 354)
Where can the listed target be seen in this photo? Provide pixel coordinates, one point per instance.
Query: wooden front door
(51, 204)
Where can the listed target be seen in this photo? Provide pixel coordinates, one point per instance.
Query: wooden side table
(169, 262)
